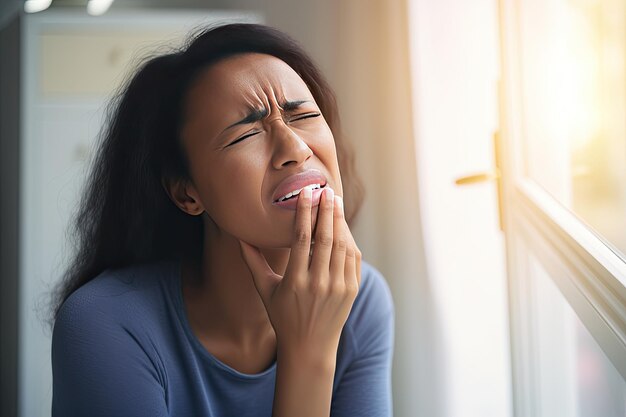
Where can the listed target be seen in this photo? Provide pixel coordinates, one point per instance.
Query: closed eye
(243, 137)
(296, 118)
(304, 116)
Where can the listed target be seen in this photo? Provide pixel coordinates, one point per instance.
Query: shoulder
(116, 295)
(105, 351)
(372, 316)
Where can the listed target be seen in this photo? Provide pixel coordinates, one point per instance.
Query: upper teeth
(296, 192)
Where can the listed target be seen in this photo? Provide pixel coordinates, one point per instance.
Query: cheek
(234, 191)
(323, 145)
(232, 194)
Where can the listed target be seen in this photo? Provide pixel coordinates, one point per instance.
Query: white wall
(455, 65)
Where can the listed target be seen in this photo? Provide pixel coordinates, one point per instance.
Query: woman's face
(250, 125)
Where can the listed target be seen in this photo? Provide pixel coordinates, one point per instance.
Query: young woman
(215, 272)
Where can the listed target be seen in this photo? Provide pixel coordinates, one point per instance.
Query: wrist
(304, 382)
(322, 361)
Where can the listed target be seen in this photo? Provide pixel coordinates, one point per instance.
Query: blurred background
(424, 91)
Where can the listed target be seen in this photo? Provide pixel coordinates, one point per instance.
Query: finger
(357, 260)
(358, 270)
(323, 235)
(351, 269)
(301, 240)
(340, 242)
(352, 243)
(265, 279)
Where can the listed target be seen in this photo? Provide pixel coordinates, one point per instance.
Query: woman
(215, 273)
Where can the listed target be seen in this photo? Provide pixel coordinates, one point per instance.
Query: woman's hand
(310, 304)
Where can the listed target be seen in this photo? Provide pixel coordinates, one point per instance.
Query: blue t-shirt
(122, 346)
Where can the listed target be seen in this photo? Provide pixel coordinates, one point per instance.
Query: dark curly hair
(125, 215)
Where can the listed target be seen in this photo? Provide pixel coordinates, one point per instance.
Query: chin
(280, 235)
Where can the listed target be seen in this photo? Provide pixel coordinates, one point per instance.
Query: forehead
(245, 81)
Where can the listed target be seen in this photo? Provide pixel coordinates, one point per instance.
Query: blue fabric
(122, 346)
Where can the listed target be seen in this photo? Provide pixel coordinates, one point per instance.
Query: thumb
(265, 279)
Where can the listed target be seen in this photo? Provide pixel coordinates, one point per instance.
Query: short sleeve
(365, 388)
(99, 365)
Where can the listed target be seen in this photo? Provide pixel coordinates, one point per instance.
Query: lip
(292, 203)
(297, 181)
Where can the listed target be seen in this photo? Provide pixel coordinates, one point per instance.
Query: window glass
(574, 377)
(573, 71)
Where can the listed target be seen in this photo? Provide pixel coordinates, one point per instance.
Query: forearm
(303, 385)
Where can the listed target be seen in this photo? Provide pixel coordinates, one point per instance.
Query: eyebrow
(257, 114)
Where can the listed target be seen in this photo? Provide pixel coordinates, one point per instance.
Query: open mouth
(294, 193)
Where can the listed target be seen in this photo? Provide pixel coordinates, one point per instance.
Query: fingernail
(339, 202)
(329, 195)
(307, 193)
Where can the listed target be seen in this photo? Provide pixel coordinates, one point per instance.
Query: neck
(220, 296)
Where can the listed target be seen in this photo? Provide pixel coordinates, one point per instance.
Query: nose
(289, 148)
